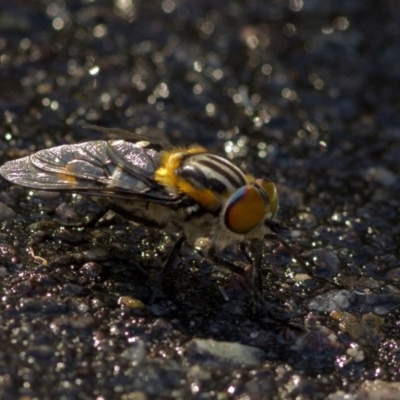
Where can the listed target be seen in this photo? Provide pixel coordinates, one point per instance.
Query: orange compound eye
(272, 194)
(244, 210)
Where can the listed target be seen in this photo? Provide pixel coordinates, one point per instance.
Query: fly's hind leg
(156, 281)
(94, 219)
(123, 213)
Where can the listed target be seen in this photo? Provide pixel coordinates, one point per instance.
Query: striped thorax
(229, 205)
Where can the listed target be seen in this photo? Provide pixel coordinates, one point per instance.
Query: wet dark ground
(305, 94)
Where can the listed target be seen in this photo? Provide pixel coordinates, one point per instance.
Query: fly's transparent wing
(114, 168)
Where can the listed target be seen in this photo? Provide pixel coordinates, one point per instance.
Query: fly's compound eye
(245, 210)
(272, 194)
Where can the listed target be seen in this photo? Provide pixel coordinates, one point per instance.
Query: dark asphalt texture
(305, 93)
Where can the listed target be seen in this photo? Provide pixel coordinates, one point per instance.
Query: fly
(182, 190)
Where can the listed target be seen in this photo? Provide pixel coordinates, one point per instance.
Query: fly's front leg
(225, 264)
(300, 261)
(255, 258)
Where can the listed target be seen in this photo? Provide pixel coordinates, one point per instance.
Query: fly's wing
(114, 168)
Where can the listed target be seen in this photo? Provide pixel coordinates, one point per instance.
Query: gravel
(302, 93)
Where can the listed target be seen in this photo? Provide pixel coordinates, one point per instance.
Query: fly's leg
(255, 259)
(123, 213)
(88, 222)
(258, 298)
(232, 268)
(257, 250)
(94, 219)
(156, 281)
(159, 279)
(174, 253)
(300, 261)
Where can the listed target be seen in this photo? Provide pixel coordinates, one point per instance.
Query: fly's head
(251, 208)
